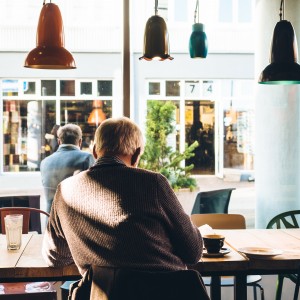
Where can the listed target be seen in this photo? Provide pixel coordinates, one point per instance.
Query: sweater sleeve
(55, 249)
(185, 237)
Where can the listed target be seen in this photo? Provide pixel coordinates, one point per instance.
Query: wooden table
(240, 265)
(27, 263)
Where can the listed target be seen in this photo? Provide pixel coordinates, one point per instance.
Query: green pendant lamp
(156, 38)
(198, 41)
(283, 67)
(50, 52)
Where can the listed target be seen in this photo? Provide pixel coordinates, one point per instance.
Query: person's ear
(80, 143)
(59, 141)
(94, 152)
(135, 157)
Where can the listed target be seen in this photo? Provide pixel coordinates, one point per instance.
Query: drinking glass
(13, 229)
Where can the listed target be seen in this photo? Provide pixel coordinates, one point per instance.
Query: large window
(32, 111)
(235, 11)
(238, 120)
(203, 107)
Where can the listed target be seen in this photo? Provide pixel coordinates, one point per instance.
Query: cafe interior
(229, 65)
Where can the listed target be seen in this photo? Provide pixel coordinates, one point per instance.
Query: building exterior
(216, 92)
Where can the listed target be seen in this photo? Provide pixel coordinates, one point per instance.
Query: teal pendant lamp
(156, 38)
(198, 41)
(283, 67)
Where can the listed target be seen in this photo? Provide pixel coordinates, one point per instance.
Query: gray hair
(118, 136)
(69, 134)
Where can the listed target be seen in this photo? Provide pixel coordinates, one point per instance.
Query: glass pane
(29, 87)
(172, 88)
(104, 88)
(88, 114)
(154, 88)
(180, 11)
(10, 87)
(67, 87)
(163, 9)
(48, 88)
(25, 124)
(245, 11)
(208, 88)
(86, 88)
(225, 11)
(238, 138)
(192, 89)
(199, 126)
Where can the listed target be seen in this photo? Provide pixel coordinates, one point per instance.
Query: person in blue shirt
(67, 161)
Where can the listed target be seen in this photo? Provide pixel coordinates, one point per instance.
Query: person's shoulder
(149, 173)
(75, 179)
(48, 158)
(85, 154)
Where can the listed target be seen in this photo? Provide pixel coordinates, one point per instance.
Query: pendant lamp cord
(156, 7)
(45, 2)
(281, 10)
(196, 12)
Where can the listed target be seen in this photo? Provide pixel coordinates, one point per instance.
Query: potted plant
(159, 156)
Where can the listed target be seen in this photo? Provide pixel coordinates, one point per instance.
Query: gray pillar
(277, 148)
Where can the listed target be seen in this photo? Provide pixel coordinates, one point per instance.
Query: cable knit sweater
(118, 216)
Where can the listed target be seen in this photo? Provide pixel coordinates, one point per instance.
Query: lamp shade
(283, 67)
(198, 42)
(156, 39)
(50, 52)
(97, 115)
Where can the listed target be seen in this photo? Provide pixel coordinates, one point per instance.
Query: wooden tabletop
(239, 265)
(286, 240)
(27, 263)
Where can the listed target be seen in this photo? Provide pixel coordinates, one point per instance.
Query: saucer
(260, 253)
(222, 252)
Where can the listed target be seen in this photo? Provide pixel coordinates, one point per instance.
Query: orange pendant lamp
(97, 115)
(50, 52)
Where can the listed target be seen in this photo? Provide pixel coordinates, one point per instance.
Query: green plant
(160, 157)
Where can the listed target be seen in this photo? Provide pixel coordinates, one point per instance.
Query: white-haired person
(116, 215)
(65, 162)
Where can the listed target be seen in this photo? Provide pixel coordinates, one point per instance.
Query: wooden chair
(288, 219)
(228, 221)
(27, 213)
(216, 201)
(21, 290)
(25, 201)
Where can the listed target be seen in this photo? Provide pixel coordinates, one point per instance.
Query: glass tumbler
(13, 229)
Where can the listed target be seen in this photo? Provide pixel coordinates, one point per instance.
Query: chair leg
(279, 287)
(297, 287)
(262, 293)
(254, 292)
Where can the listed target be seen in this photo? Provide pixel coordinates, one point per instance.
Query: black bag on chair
(101, 283)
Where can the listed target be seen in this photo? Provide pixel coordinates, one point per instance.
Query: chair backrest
(148, 285)
(25, 211)
(216, 201)
(220, 221)
(288, 219)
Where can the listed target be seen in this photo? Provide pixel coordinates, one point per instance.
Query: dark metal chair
(117, 284)
(216, 201)
(288, 219)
